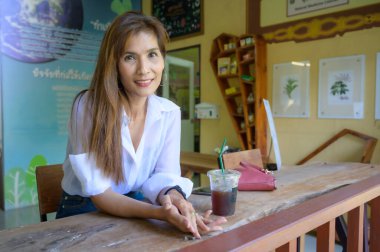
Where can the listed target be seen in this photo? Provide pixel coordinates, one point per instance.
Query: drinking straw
(220, 155)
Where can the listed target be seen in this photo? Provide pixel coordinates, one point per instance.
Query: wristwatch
(178, 189)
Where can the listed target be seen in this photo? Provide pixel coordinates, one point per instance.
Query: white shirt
(153, 166)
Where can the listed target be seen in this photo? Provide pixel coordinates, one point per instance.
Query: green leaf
(290, 87)
(121, 6)
(20, 185)
(15, 192)
(339, 87)
(30, 177)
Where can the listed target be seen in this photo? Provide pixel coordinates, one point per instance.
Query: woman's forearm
(122, 206)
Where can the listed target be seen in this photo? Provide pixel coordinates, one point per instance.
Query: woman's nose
(143, 67)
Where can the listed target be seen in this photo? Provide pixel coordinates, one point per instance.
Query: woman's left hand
(206, 224)
(203, 224)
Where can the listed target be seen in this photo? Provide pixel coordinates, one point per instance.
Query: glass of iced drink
(223, 191)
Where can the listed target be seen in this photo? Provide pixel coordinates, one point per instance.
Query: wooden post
(326, 237)
(291, 246)
(355, 229)
(374, 241)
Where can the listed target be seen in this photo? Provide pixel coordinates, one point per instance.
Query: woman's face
(141, 65)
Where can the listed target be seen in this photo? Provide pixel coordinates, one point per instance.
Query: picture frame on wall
(341, 87)
(181, 18)
(291, 89)
(300, 7)
(377, 103)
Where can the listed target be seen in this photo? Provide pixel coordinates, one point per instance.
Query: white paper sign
(273, 134)
(296, 7)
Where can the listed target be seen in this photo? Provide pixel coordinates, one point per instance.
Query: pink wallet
(254, 178)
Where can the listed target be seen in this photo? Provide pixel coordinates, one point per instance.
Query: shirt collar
(156, 106)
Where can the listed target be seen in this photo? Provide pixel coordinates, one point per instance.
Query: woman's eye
(153, 54)
(129, 58)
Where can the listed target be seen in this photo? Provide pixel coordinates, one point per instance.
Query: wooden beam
(291, 246)
(355, 229)
(326, 237)
(374, 241)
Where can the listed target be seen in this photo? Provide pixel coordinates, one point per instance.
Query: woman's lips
(143, 83)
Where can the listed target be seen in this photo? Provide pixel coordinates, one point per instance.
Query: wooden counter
(98, 231)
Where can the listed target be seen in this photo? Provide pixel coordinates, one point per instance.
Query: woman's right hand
(172, 215)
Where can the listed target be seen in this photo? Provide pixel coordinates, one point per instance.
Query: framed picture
(377, 105)
(291, 89)
(341, 87)
(296, 7)
(181, 18)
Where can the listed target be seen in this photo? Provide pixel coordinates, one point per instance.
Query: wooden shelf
(247, 61)
(251, 61)
(242, 131)
(226, 76)
(233, 95)
(227, 52)
(248, 82)
(248, 47)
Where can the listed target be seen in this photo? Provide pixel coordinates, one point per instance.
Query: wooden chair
(232, 160)
(193, 162)
(48, 178)
(368, 149)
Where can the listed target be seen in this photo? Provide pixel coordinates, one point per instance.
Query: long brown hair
(106, 92)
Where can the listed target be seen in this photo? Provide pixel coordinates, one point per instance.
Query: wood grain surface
(98, 232)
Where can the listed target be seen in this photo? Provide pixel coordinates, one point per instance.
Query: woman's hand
(173, 216)
(182, 214)
(206, 224)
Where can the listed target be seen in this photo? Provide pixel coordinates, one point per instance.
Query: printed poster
(48, 54)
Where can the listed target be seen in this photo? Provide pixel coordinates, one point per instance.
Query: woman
(124, 141)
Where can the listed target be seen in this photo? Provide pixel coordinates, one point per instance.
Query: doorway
(181, 85)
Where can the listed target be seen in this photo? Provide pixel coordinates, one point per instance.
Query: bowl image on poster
(37, 31)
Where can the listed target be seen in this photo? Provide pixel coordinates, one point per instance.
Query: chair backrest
(368, 148)
(232, 160)
(49, 188)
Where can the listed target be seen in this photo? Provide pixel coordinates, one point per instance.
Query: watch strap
(178, 189)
